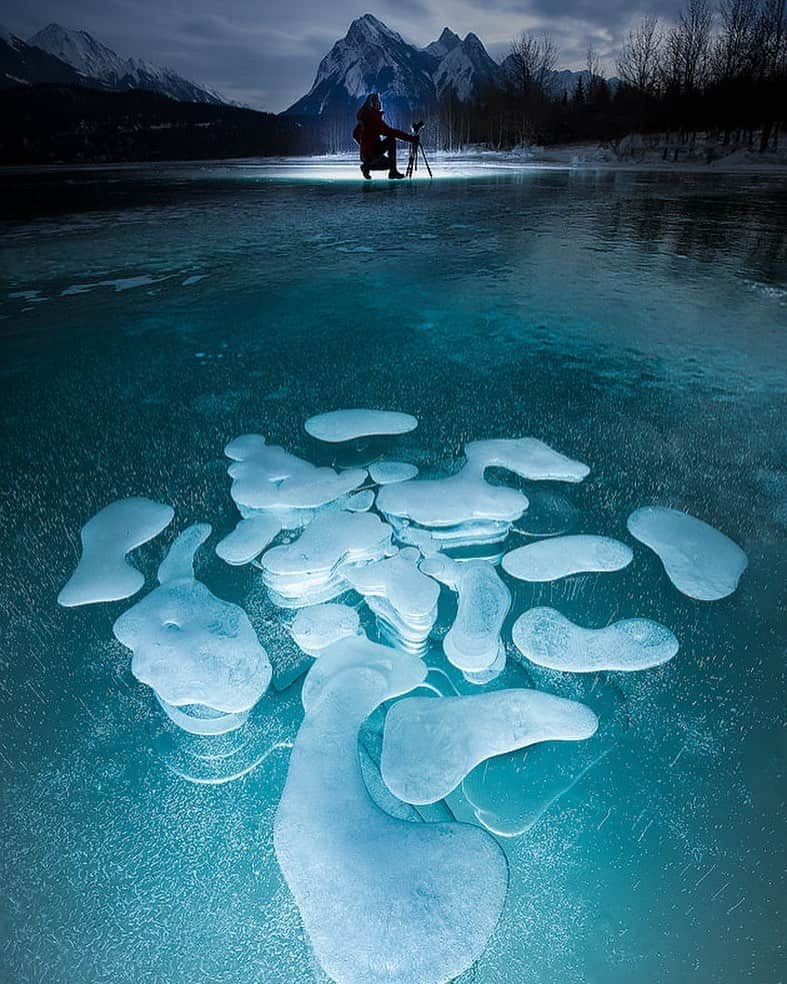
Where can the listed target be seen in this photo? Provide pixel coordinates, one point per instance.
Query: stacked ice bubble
(394, 585)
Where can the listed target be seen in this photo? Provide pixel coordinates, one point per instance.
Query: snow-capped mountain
(24, 64)
(445, 43)
(94, 60)
(465, 69)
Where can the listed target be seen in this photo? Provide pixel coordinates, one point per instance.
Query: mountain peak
(444, 44)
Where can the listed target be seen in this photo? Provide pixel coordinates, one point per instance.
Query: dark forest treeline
(721, 71)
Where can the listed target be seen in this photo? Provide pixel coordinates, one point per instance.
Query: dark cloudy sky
(265, 53)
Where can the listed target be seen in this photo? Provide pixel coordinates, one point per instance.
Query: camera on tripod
(417, 127)
(416, 149)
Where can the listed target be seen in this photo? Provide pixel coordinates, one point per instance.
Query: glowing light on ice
(249, 538)
(473, 643)
(338, 426)
(310, 570)
(103, 573)
(403, 599)
(266, 478)
(430, 744)
(548, 638)
(700, 561)
(390, 472)
(316, 628)
(191, 647)
(549, 560)
(381, 899)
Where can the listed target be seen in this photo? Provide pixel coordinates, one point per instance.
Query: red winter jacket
(372, 128)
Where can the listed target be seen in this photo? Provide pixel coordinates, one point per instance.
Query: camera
(417, 127)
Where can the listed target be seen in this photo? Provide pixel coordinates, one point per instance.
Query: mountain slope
(466, 69)
(24, 64)
(95, 60)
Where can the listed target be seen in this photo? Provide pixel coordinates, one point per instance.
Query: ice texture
(360, 501)
(382, 900)
(549, 560)
(700, 561)
(103, 573)
(338, 426)
(403, 599)
(249, 538)
(311, 569)
(191, 647)
(320, 626)
(431, 744)
(549, 639)
(266, 478)
(390, 472)
(473, 643)
(464, 509)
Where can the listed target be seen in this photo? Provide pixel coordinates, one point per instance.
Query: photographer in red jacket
(377, 140)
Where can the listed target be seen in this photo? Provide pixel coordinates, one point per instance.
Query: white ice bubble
(548, 638)
(360, 501)
(310, 570)
(249, 538)
(390, 472)
(700, 561)
(320, 626)
(338, 426)
(431, 744)
(382, 900)
(191, 647)
(403, 599)
(527, 457)
(103, 573)
(473, 644)
(549, 560)
(266, 478)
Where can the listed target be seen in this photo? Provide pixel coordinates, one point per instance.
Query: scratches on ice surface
(103, 573)
(319, 626)
(473, 643)
(382, 900)
(266, 478)
(549, 639)
(249, 538)
(549, 560)
(338, 426)
(120, 284)
(429, 745)
(191, 647)
(700, 561)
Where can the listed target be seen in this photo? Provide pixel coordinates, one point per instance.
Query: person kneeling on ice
(377, 140)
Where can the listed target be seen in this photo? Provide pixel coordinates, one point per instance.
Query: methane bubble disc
(403, 599)
(430, 745)
(549, 560)
(103, 573)
(700, 561)
(268, 479)
(338, 426)
(549, 639)
(527, 457)
(249, 538)
(191, 647)
(391, 472)
(320, 626)
(473, 644)
(311, 569)
(382, 900)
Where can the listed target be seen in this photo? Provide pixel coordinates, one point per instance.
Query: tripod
(415, 148)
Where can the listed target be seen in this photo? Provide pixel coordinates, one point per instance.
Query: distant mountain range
(59, 55)
(373, 58)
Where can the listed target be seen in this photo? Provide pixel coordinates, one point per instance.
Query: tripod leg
(423, 154)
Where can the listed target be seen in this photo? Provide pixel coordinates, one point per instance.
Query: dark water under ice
(634, 321)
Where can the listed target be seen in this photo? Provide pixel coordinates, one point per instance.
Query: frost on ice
(191, 647)
(320, 626)
(473, 643)
(430, 745)
(249, 538)
(403, 599)
(390, 472)
(549, 560)
(338, 426)
(549, 639)
(103, 573)
(464, 509)
(266, 478)
(382, 900)
(700, 561)
(312, 569)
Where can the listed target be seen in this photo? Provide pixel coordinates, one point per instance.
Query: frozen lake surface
(635, 321)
